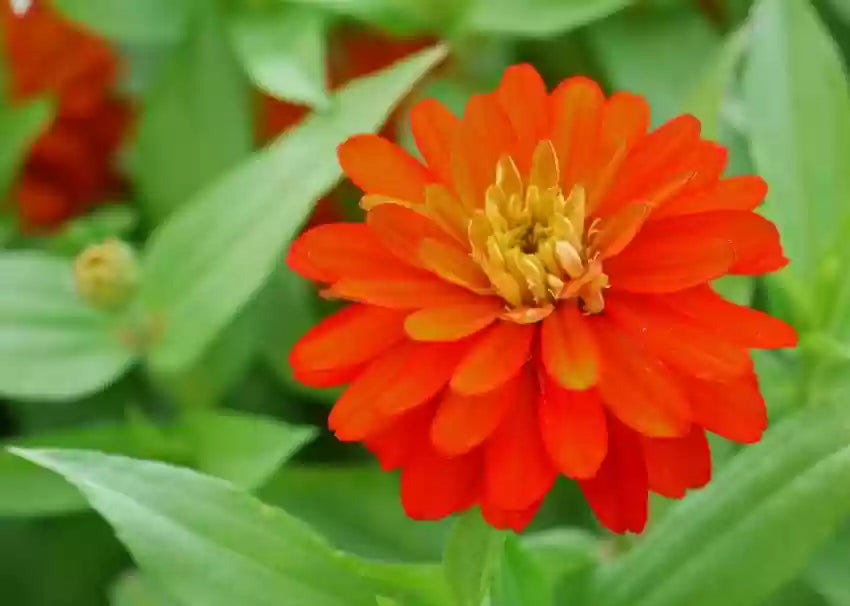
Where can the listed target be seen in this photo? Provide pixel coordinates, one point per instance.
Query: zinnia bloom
(533, 299)
(69, 168)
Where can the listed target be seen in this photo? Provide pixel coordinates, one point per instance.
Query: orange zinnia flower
(534, 300)
(69, 168)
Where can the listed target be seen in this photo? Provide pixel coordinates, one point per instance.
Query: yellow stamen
(531, 241)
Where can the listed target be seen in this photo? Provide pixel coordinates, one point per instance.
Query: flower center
(531, 240)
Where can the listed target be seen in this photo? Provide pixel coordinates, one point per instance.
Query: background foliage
(151, 466)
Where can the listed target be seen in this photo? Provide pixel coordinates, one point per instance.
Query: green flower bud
(107, 274)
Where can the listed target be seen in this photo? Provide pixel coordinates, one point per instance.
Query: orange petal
(378, 166)
(494, 359)
(753, 239)
(434, 128)
(737, 193)
(328, 378)
(403, 438)
(433, 486)
(453, 322)
(674, 465)
(625, 120)
(618, 493)
(463, 422)
(448, 213)
(637, 388)
(615, 232)
(414, 292)
(522, 95)
(677, 339)
(577, 106)
(669, 260)
(355, 415)
(568, 349)
(401, 379)
(453, 264)
(485, 135)
(347, 338)
(649, 164)
(504, 519)
(329, 252)
(733, 409)
(518, 472)
(734, 323)
(423, 369)
(402, 230)
(572, 424)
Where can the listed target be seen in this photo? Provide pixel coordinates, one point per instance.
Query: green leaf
(372, 523)
(111, 221)
(563, 553)
(52, 346)
(61, 562)
(140, 21)
(245, 449)
(223, 364)
(283, 51)
(535, 18)
(205, 263)
(521, 581)
(753, 529)
(706, 98)
(827, 573)
(20, 125)
(133, 589)
(472, 556)
(655, 53)
(196, 121)
(206, 543)
(399, 17)
(798, 111)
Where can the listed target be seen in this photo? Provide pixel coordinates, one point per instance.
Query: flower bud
(107, 274)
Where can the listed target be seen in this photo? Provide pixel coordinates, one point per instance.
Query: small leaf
(133, 589)
(472, 555)
(20, 126)
(205, 263)
(196, 121)
(798, 110)
(52, 346)
(243, 448)
(283, 51)
(139, 21)
(534, 18)
(753, 529)
(206, 543)
(521, 581)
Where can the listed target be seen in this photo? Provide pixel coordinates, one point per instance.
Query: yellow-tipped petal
(544, 167)
(453, 265)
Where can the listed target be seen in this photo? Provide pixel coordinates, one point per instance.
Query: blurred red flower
(534, 300)
(70, 167)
